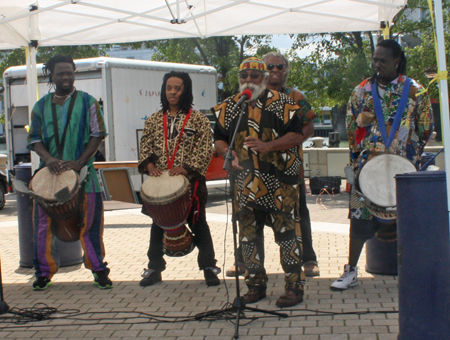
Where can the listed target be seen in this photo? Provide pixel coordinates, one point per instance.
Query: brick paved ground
(129, 311)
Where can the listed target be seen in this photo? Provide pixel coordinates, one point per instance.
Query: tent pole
(443, 93)
(32, 96)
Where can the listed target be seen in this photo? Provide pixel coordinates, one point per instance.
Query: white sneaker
(348, 279)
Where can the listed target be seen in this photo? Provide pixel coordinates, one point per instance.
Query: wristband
(81, 165)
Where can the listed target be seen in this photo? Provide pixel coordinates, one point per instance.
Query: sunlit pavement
(167, 310)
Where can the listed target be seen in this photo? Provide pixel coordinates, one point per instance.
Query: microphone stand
(239, 305)
(3, 305)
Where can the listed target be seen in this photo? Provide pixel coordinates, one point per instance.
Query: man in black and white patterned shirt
(266, 165)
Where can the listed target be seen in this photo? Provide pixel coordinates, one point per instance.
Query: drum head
(165, 188)
(377, 178)
(46, 184)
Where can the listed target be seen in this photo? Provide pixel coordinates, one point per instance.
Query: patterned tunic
(364, 136)
(195, 149)
(269, 180)
(307, 115)
(266, 190)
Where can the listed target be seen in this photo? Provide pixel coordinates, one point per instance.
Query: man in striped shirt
(66, 129)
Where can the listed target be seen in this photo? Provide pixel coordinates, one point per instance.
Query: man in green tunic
(66, 129)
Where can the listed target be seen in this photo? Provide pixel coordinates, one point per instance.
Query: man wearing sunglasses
(279, 67)
(266, 167)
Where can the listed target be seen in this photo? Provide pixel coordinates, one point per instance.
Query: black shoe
(102, 280)
(42, 283)
(211, 278)
(150, 277)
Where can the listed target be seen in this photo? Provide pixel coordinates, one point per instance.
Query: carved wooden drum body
(167, 200)
(61, 198)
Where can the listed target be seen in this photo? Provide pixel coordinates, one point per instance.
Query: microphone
(245, 95)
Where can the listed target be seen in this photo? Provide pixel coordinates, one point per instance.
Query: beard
(257, 90)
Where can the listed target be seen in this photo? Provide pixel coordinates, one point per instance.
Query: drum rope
(197, 203)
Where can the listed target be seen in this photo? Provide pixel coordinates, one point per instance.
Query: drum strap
(60, 143)
(171, 160)
(398, 115)
(195, 201)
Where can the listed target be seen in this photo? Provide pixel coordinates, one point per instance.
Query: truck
(128, 91)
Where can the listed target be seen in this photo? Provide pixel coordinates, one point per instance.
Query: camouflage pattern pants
(287, 236)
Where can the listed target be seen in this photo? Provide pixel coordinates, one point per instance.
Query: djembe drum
(375, 185)
(61, 198)
(167, 200)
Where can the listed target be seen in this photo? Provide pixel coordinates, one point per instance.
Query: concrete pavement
(167, 310)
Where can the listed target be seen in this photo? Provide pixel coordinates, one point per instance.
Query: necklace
(66, 95)
(382, 87)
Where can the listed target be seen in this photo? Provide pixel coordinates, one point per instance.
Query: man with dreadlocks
(66, 129)
(179, 139)
(387, 104)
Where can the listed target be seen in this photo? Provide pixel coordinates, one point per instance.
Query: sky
(283, 42)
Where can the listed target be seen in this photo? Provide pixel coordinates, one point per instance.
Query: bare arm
(285, 142)
(53, 164)
(308, 130)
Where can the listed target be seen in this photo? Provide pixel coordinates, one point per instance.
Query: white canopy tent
(26, 23)
(87, 22)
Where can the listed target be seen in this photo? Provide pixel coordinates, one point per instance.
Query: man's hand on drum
(178, 171)
(70, 165)
(153, 170)
(54, 165)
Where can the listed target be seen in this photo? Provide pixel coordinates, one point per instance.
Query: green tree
(336, 64)
(420, 49)
(339, 61)
(223, 53)
(16, 57)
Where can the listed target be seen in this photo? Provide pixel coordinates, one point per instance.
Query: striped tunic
(85, 122)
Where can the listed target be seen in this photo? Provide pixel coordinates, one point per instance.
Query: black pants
(202, 239)
(305, 227)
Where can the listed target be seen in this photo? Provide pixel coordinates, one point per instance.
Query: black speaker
(333, 140)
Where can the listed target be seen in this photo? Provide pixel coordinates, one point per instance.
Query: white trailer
(128, 91)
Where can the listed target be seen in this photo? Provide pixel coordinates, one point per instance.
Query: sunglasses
(254, 75)
(271, 66)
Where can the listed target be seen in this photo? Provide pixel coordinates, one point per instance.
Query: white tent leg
(443, 93)
(32, 94)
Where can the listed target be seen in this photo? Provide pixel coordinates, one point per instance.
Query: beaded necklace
(66, 95)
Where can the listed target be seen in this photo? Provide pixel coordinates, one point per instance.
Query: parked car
(3, 189)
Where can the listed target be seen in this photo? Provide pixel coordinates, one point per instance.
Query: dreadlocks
(397, 52)
(49, 66)
(186, 98)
